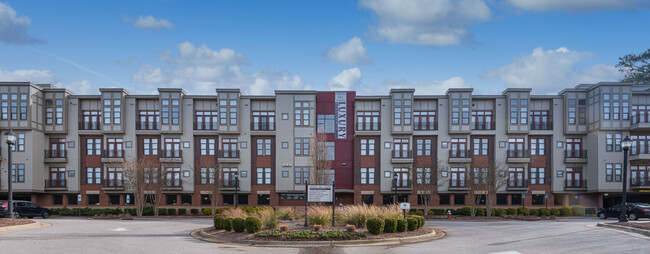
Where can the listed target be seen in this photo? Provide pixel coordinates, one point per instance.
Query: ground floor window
(205, 199)
(292, 196)
(228, 199)
(72, 199)
(479, 199)
(263, 199)
(538, 199)
(444, 199)
(242, 199)
(388, 199)
(459, 199)
(186, 199)
(92, 199)
(368, 199)
(515, 199)
(574, 199)
(502, 199)
(57, 199)
(172, 199)
(114, 199)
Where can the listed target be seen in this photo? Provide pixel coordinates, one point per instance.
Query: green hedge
(544, 212)
(534, 212)
(182, 211)
(511, 211)
(162, 211)
(207, 211)
(566, 211)
(253, 224)
(578, 210)
(238, 225)
(226, 224)
(375, 226)
(401, 225)
(465, 211)
(171, 211)
(523, 211)
(499, 212)
(480, 211)
(218, 222)
(412, 223)
(390, 225)
(194, 211)
(555, 212)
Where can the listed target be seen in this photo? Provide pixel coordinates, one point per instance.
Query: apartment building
(555, 150)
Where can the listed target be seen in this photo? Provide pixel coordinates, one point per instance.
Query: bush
(555, 212)
(578, 210)
(439, 212)
(147, 211)
(194, 211)
(253, 224)
(412, 223)
(375, 225)
(480, 211)
(401, 225)
(566, 211)
(499, 212)
(422, 221)
(420, 213)
(534, 212)
(523, 211)
(591, 211)
(544, 212)
(218, 222)
(207, 211)
(171, 211)
(238, 225)
(511, 211)
(350, 228)
(431, 212)
(465, 211)
(162, 211)
(390, 225)
(226, 224)
(182, 211)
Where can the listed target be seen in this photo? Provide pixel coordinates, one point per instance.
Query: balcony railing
(229, 154)
(402, 184)
(262, 126)
(369, 128)
(636, 120)
(89, 125)
(483, 126)
(518, 153)
(57, 183)
(402, 154)
(581, 154)
(176, 183)
(458, 183)
(459, 153)
(517, 183)
(229, 184)
(146, 125)
(171, 154)
(575, 184)
(206, 126)
(635, 182)
(541, 125)
(112, 153)
(113, 183)
(56, 154)
(426, 126)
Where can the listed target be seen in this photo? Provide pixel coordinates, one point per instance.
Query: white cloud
(346, 80)
(426, 22)
(351, 52)
(202, 69)
(424, 87)
(579, 5)
(47, 77)
(149, 22)
(13, 29)
(79, 87)
(548, 71)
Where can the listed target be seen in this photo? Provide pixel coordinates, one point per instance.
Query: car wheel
(16, 215)
(602, 216)
(633, 216)
(45, 214)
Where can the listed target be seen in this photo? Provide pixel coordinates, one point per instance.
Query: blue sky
(369, 45)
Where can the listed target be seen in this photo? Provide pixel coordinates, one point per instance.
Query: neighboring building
(564, 147)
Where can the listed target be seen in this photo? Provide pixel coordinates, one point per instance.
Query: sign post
(523, 199)
(405, 206)
(322, 194)
(79, 203)
(306, 198)
(128, 200)
(546, 200)
(333, 203)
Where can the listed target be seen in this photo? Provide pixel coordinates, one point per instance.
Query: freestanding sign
(340, 104)
(319, 193)
(405, 206)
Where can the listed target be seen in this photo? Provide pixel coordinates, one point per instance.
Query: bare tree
(428, 176)
(210, 174)
(484, 182)
(319, 159)
(137, 175)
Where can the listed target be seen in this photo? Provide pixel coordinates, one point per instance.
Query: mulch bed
(298, 225)
(4, 222)
(640, 225)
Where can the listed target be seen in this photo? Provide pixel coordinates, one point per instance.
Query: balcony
(262, 126)
(426, 126)
(173, 185)
(639, 183)
(517, 185)
(171, 156)
(640, 124)
(55, 185)
(575, 185)
(147, 126)
(637, 154)
(90, 125)
(518, 156)
(460, 156)
(229, 156)
(230, 185)
(203, 126)
(55, 156)
(402, 185)
(575, 156)
(483, 126)
(402, 156)
(458, 185)
(541, 126)
(112, 156)
(112, 184)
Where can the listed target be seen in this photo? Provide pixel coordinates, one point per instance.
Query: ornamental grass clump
(390, 225)
(320, 215)
(269, 218)
(287, 213)
(390, 211)
(317, 228)
(235, 213)
(284, 228)
(356, 215)
(375, 225)
(350, 228)
(253, 224)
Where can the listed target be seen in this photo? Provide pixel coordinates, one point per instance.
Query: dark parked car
(634, 211)
(24, 209)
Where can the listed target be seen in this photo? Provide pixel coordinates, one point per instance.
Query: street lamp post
(395, 176)
(10, 138)
(236, 189)
(626, 143)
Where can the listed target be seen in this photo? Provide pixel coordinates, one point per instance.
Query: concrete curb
(624, 228)
(24, 227)
(435, 235)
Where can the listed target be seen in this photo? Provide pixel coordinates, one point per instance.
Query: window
(458, 148)
(401, 149)
(263, 121)
(465, 115)
(444, 199)
(481, 146)
(148, 119)
(577, 112)
(574, 148)
(423, 147)
(329, 151)
(455, 115)
(502, 199)
(170, 106)
(640, 114)
(613, 142)
(367, 146)
(206, 120)
(301, 146)
(367, 175)
(537, 175)
(423, 175)
(263, 199)
(537, 146)
(368, 121)
(263, 175)
(482, 120)
(233, 112)
(72, 199)
(207, 146)
(301, 175)
(91, 120)
(459, 199)
(115, 177)
(5, 112)
(326, 123)
(301, 113)
(57, 178)
(173, 177)
(572, 111)
(516, 148)
(537, 199)
(18, 173)
(58, 117)
(540, 120)
(172, 148)
(613, 172)
(640, 175)
(207, 175)
(20, 143)
(402, 112)
(424, 120)
(228, 176)
(515, 199)
(229, 148)
(402, 177)
(519, 111)
(112, 111)
(205, 199)
(480, 175)
(574, 177)
(458, 177)
(368, 199)
(57, 148)
(264, 146)
(92, 199)
(93, 175)
(516, 177)
(150, 146)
